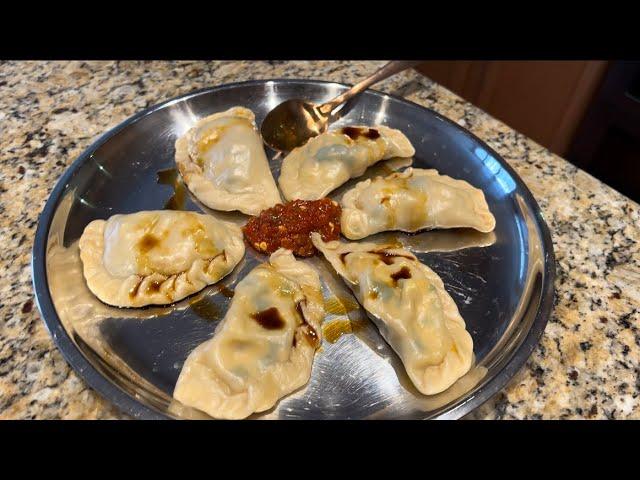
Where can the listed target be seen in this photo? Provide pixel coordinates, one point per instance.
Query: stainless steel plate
(501, 282)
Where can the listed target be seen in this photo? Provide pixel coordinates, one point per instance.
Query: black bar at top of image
(389, 31)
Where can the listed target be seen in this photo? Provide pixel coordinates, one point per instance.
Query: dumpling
(409, 305)
(222, 161)
(264, 347)
(413, 200)
(157, 257)
(327, 161)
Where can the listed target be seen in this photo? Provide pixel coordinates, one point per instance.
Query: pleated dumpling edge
(157, 257)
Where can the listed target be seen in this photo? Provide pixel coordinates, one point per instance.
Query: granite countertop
(587, 364)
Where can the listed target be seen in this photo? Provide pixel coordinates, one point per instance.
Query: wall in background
(545, 100)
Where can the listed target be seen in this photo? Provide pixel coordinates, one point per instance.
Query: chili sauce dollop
(290, 225)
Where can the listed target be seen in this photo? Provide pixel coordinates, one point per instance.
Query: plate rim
(130, 405)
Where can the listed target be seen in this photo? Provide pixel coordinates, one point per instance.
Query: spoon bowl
(295, 121)
(292, 123)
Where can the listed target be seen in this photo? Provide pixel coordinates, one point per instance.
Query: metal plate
(501, 282)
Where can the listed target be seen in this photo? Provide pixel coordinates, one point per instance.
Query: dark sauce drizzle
(224, 290)
(403, 273)
(310, 333)
(354, 133)
(154, 286)
(178, 199)
(147, 242)
(206, 309)
(269, 319)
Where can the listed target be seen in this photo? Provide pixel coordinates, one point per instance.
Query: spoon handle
(386, 71)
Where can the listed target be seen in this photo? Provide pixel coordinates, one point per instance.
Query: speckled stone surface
(586, 366)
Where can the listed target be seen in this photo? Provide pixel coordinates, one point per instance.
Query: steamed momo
(157, 257)
(222, 161)
(264, 347)
(327, 161)
(413, 200)
(409, 305)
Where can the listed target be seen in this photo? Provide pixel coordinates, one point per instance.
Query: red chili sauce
(290, 225)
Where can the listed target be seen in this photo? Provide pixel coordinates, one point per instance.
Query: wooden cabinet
(545, 100)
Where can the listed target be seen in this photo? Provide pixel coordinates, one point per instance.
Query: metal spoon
(294, 121)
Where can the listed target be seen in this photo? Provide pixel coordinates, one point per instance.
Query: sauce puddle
(171, 177)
